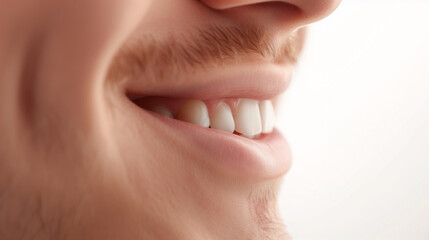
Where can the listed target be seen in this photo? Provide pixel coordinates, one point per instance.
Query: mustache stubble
(213, 46)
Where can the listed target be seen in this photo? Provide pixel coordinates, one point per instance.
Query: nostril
(273, 15)
(277, 8)
(280, 9)
(287, 13)
(243, 4)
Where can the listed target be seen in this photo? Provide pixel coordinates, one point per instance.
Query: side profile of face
(105, 109)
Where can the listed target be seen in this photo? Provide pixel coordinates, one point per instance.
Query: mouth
(244, 117)
(229, 116)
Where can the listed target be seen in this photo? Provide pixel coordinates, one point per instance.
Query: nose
(284, 13)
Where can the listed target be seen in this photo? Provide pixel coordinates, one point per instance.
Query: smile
(246, 117)
(227, 115)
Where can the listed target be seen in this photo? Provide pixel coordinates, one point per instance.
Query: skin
(78, 162)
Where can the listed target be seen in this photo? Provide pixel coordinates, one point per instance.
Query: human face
(82, 155)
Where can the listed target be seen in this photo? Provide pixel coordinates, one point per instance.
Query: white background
(357, 119)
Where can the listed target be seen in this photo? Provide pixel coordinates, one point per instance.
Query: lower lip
(267, 157)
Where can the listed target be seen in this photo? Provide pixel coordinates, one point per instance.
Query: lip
(256, 81)
(266, 157)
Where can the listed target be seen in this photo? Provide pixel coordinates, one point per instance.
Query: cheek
(98, 22)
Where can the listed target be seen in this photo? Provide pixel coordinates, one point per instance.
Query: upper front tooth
(194, 111)
(222, 118)
(247, 118)
(267, 116)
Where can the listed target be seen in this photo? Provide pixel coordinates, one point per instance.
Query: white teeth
(250, 119)
(194, 111)
(247, 118)
(161, 109)
(268, 116)
(222, 118)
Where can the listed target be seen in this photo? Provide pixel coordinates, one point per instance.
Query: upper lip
(256, 81)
